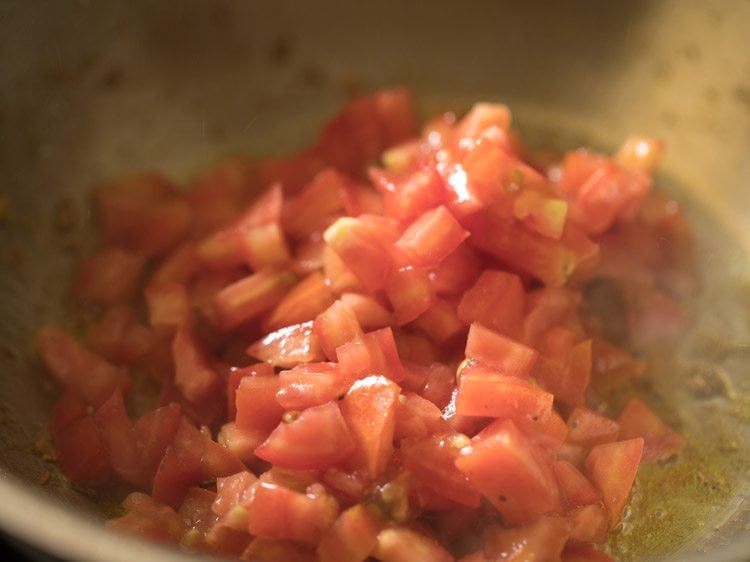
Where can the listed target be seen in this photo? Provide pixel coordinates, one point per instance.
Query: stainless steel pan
(91, 90)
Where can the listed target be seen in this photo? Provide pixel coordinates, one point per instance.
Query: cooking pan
(94, 90)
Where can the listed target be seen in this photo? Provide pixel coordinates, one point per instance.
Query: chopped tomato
(512, 473)
(438, 319)
(612, 468)
(318, 437)
(660, 441)
(369, 409)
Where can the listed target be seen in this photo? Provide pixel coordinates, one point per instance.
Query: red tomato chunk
(386, 346)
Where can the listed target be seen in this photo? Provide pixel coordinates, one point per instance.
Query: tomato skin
(78, 368)
(612, 468)
(660, 441)
(318, 438)
(369, 409)
(512, 473)
(277, 512)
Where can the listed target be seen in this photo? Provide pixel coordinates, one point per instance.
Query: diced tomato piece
(409, 196)
(221, 249)
(496, 300)
(348, 486)
(250, 296)
(486, 393)
(431, 237)
(541, 213)
(548, 431)
(370, 313)
(109, 276)
(410, 292)
(612, 468)
(396, 114)
(264, 246)
(441, 322)
(456, 272)
(148, 519)
(242, 442)
(361, 247)
(369, 409)
(168, 305)
(373, 353)
(335, 326)
(69, 407)
(539, 541)
(590, 428)
(432, 461)
(235, 376)
(308, 257)
(492, 350)
(280, 513)
(119, 337)
(310, 384)
(256, 403)
(584, 553)
(416, 417)
(640, 154)
(481, 116)
(303, 302)
(511, 472)
(338, 276)
(118, 435)
(660, 441)
(78, 368)
(194, 376)
(315, 207)
(546, 309)
(400, 544)
(550, 261)
(352, 536)
(81, 451)
(233, 491)
(590, 523)
(218, 460)
(570, 382)
(576, 489)
(317, 438)
(153, 432)
(180, 468)
(288, 346)
(439, 385)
